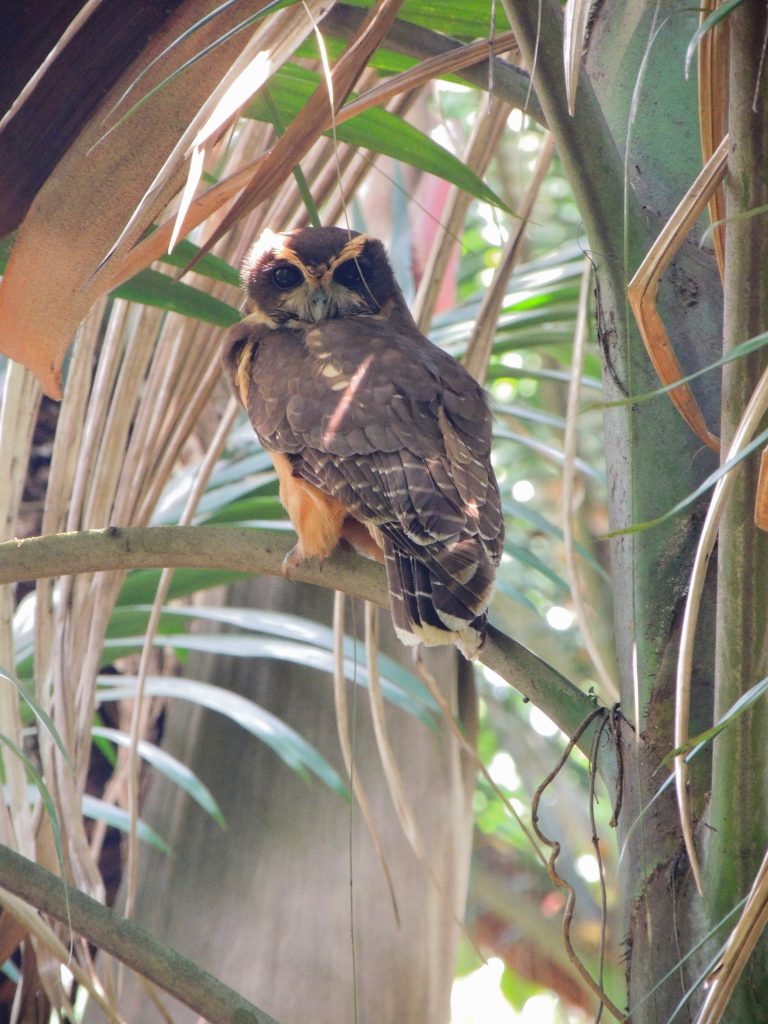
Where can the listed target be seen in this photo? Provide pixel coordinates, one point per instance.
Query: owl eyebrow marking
(353, 250)
(345, 401)
(289, 256)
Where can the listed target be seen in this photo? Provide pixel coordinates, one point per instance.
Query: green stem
(584, 142)
(739, 805)
(301, 182)
(128, 942)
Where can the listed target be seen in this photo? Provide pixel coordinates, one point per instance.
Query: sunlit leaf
(141, 586)
(209, 265)
(375, 129)
(463, 19)
(153, 288)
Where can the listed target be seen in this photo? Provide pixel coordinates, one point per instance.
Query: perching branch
(239, 549)
(130, 943)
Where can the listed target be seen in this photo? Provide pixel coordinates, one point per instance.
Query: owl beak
(319, 301)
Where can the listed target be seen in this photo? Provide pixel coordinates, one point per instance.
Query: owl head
(313, 274)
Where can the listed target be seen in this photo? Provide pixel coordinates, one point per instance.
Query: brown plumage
(379, 438)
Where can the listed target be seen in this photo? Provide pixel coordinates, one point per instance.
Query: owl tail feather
(441, 597)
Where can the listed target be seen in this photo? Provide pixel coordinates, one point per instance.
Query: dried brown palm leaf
(268, 48)
(509, 82)
(120, 430)
(642, 291)
(751, 418)
(134, 393)
(389, 763)
(20, 400)
(327, 163)
(392, 773)
(46, 939)
(346, 743)
(101, 187)
(327, 178)
(140, 711)
(217, 200)
(575, 24)
(761, 502)
(740, 946)
(56, 70)
(427, 71)
(467, 743)
(212, 203)
(346, 174)
(317, 116)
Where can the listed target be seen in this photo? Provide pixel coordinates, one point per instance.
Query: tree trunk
(265, 905)
(631, 151)
(735, 834)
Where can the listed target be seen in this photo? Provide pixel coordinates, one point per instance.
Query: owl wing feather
(399, 433)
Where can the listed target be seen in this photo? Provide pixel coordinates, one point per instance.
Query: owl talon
(292, 561)
(296, 558)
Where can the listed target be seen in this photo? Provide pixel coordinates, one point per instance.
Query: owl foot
(296, 558)
(292, 561)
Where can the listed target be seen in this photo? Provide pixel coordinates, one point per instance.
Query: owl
(380, 439)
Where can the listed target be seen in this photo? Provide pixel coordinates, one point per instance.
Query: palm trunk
(628, 179)
(738, 813)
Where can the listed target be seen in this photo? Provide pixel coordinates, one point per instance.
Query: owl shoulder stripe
(240, 345)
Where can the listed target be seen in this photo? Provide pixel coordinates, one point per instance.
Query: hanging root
(595, 986)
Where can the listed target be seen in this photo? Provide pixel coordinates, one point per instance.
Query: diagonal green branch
(239, 549)
(128, 942)
(584, 141)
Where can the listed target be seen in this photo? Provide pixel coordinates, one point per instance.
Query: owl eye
(287, 276)
(349, 275)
